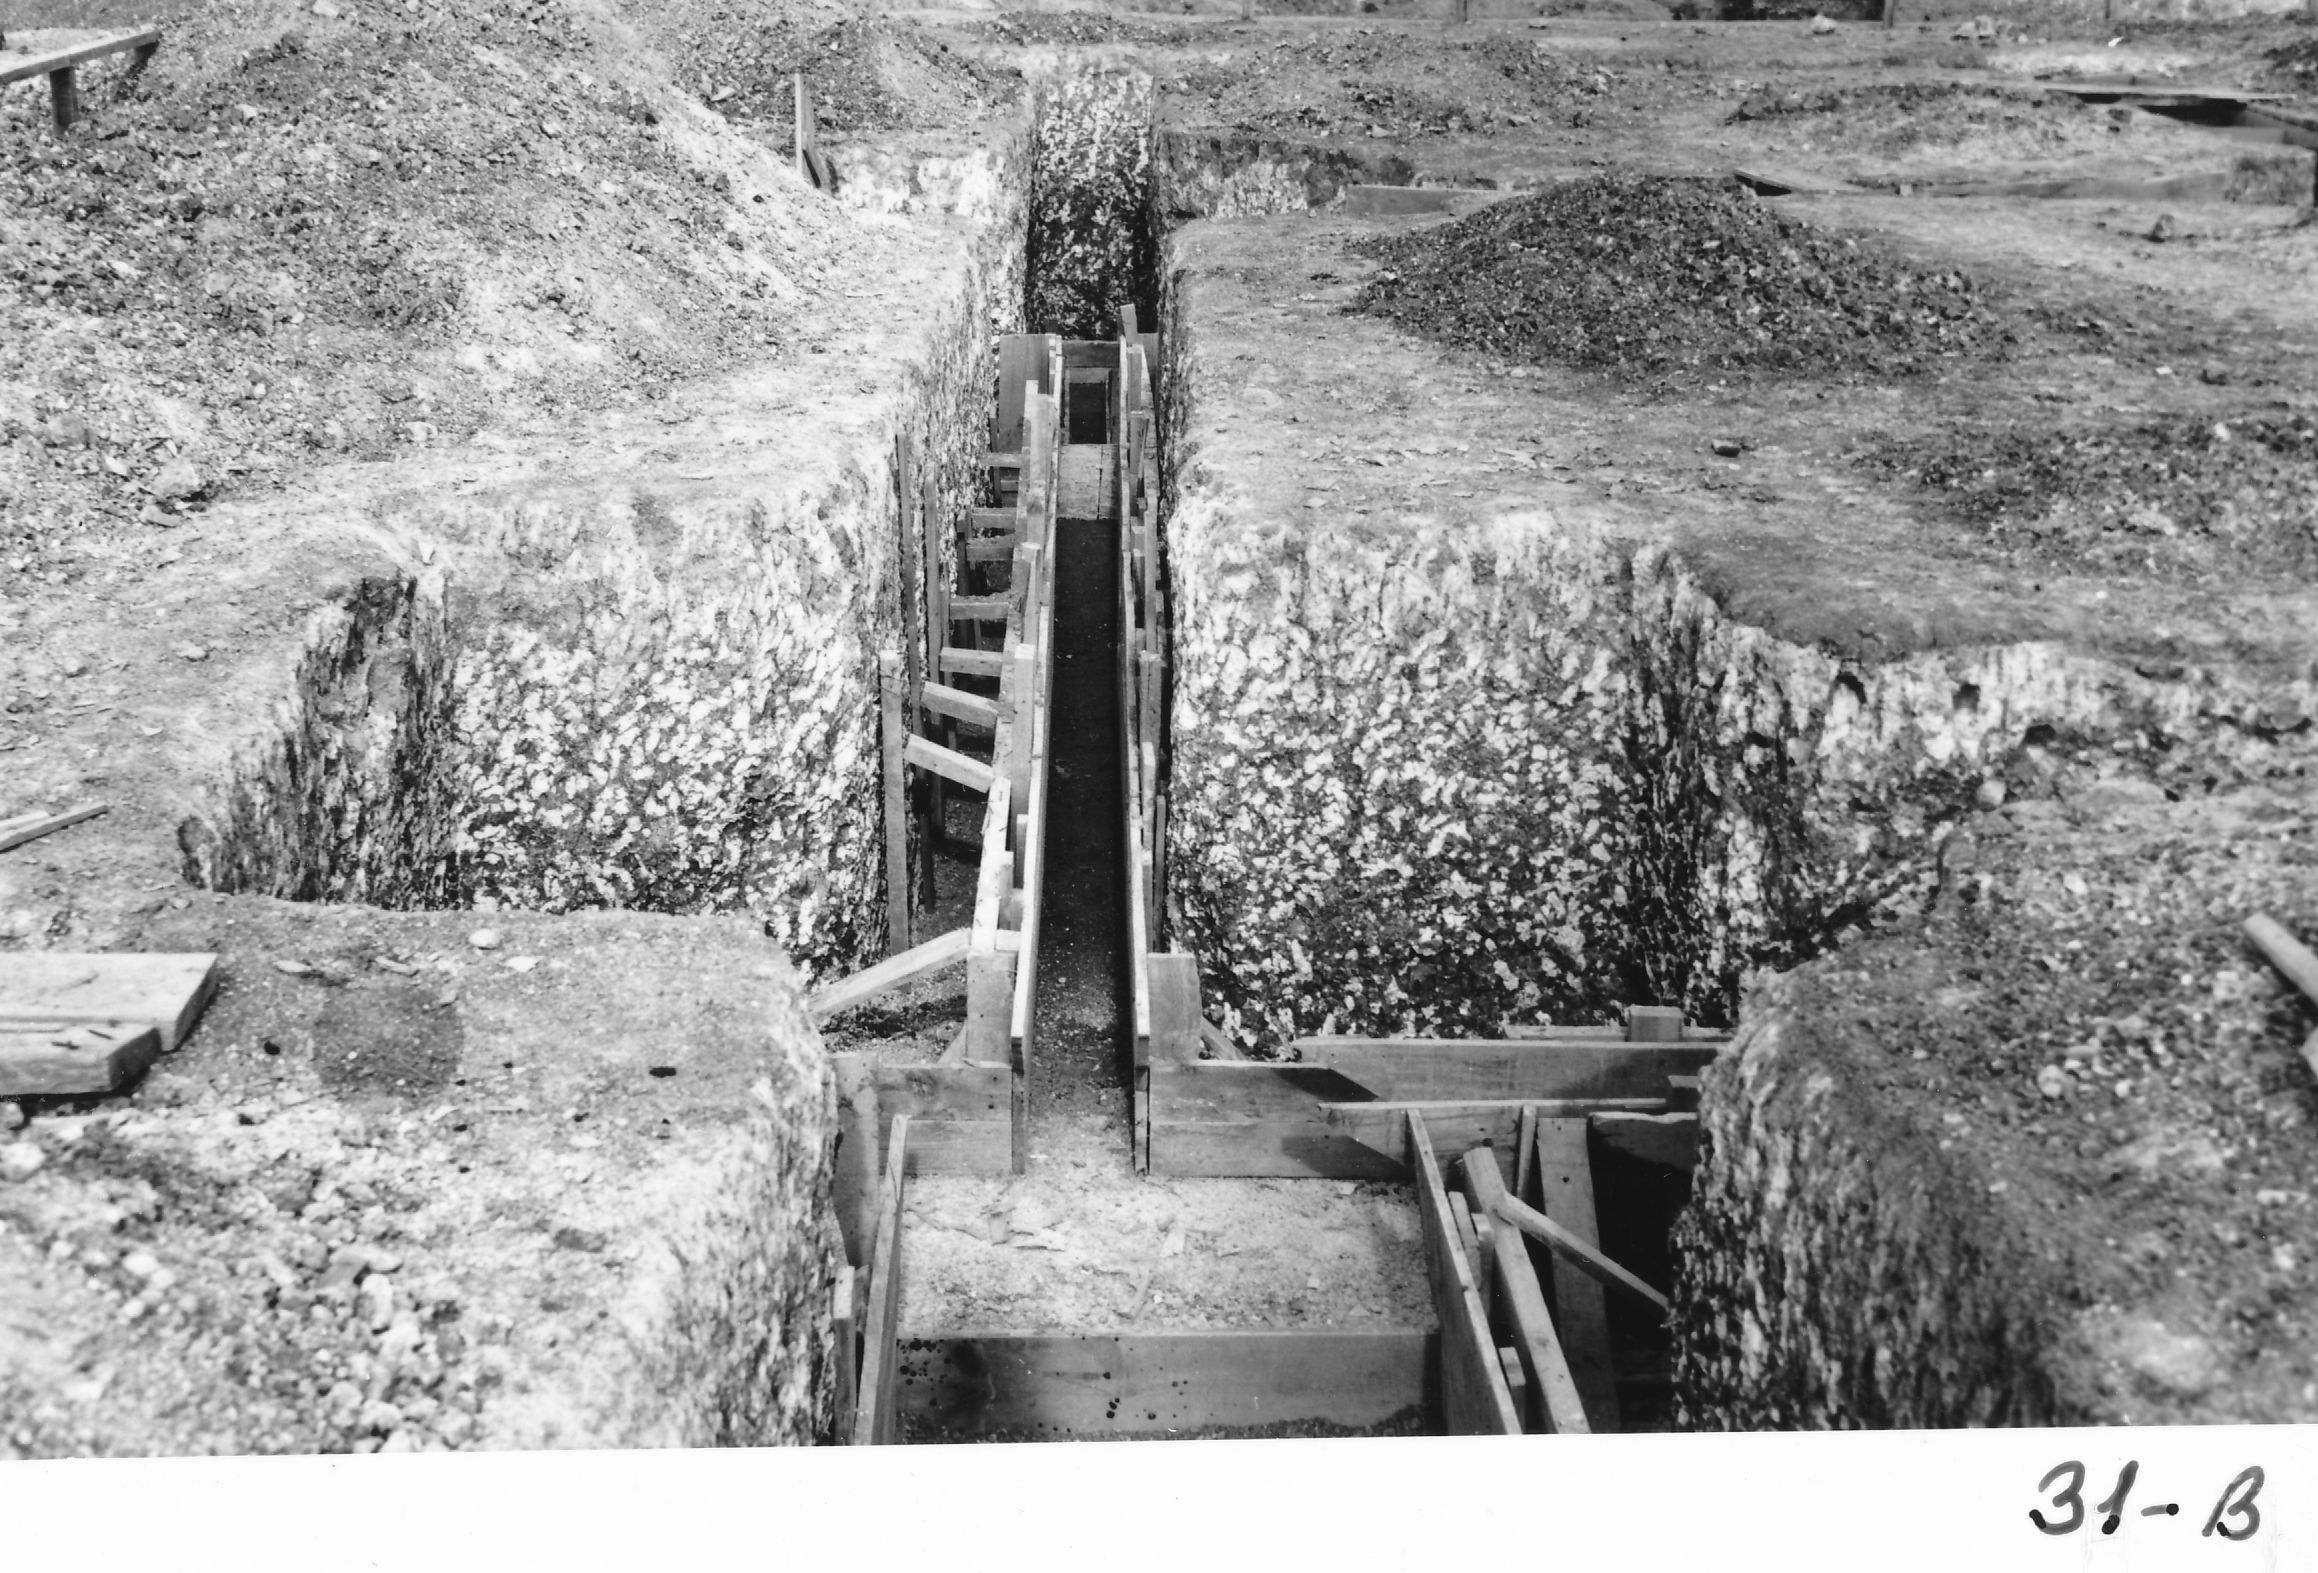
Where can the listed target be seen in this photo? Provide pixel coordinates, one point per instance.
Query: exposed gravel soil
(864, 73)
(1894, 116)
(2183, 496)
(1645, 274)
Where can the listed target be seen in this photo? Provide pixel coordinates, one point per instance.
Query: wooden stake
(804, 133)
(1554, 1394)
(841, 1326)
(896, 812)
(937, 828)
(1590, 1261)
(874, 1422)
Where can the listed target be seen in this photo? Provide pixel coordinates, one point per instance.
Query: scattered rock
(176, 481)
(2162, 230)
(325, 9)
(1821, 26)
(2052, 1082)
(192, 652)
(1727, 448)
(1991, 794)
(378, 1301)
(12, 1113)
(570, 1237)
(521, 963)
(21, 1160)
(2214, 374)
(485, 939)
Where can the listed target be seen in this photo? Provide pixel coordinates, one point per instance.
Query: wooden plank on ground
(1565, 1179)
(31, 827)
(875, 1421)
(78, 54)
(1474, 1398)
(891, 973)
(1554, 1402)
(39, 987)
(1428, 1070)
(1060, 1386)
(1669, 1139)
(74, 1058)
(948, 763)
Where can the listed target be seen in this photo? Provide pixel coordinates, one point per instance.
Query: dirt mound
(1650, 274)
(1892, 117)
(1366, 84)
(1085, 27)
(357, 236)
(866, 74)
(2179, 496)
(2295, 63)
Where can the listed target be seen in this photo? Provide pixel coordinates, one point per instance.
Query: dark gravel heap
(2295, 63)
(2186, 493)
(1648, 274)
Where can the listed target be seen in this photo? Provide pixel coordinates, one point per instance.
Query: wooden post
(846, 1333)
(856, 1179)
(1474, 1397)
(1890, 14)
(1565, 1182)
(804, 132)
(64, 97)
(896, 810)
(873, 1421)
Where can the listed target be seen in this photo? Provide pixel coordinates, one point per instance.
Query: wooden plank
(167, 991)
(967, 772)
(1411, 1070)
(1466, 1124)
(889, 974)
(1587, 1259)
(875, 1421)
(960, 1115)
(1555, 1405)
(1217, 1042)
(1653, 1024)
(972, 709)
(1001, 461)
(75, 1058)
(1270, 1149)
(847, 1335)
(994, 521)
(990, 549)
(860, 1137)
(1197, 1090)
(78, 54)
(1063, 1386)
(1565, 1179)
(890, 695)
(1474, 1397)
(971, 663)
(2288, 954)
(31, 827)
(1669, 1139)
(1175, 1014)
(1022, 364)
(980, 608)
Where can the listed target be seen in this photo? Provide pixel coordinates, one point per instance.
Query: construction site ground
(318, 260)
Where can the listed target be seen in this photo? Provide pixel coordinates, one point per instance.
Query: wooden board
(1412, 1070)
(891, 973)
(1059, 1386)
(75, 1058)
(1221, 1118)
(1175, 1018)
(168, 991)
(970, 773)
(874, 1421)
(1669, 1139)
(1456, 1126)
(1022, 359)
(1553, 1395)
(78, 54)
(1474, 1398)
(1565, 1193)
(847, 1337)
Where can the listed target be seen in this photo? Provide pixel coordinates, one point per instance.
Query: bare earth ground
(424, 249)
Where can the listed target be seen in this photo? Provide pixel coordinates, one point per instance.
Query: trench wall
(654, 694)
(1090, 245)
(1438, 780)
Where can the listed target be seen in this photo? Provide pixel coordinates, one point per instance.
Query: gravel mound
(1643, 273)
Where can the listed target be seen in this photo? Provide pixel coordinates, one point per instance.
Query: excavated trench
(1419, 784)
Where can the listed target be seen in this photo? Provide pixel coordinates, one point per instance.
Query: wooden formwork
(970, 1109)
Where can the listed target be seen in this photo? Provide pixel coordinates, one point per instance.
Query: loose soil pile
(1895, 116)
(1641, 273)
(1370, 84)
(1085, 27)
(864, 74)
(2181, 496)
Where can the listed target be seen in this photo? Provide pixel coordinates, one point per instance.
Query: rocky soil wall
(1090, 245)
(656, 694)
(1439, 779)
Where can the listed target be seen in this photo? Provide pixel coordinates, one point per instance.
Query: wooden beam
(847, 1335)
(973, 709)
(143, 41)
(1466, 1124)
(981, 608)
(891, 696)
(1175, 1017)
(1474, 1396)
(967, 772)
(1555, 1403)
(961, 1121)
(31, 827)
(988, 522)
(1668, 1139)
(991, 549)
(2288, 954)
(1587, 1259)
(1063, 1386)
(876, 1421)
(1217, 1042)
(70, 1059)
(1413, 1070)
(889, 974)
(1565, 1180)
(956, 662)
(1653, 1024)
(860, 1135)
